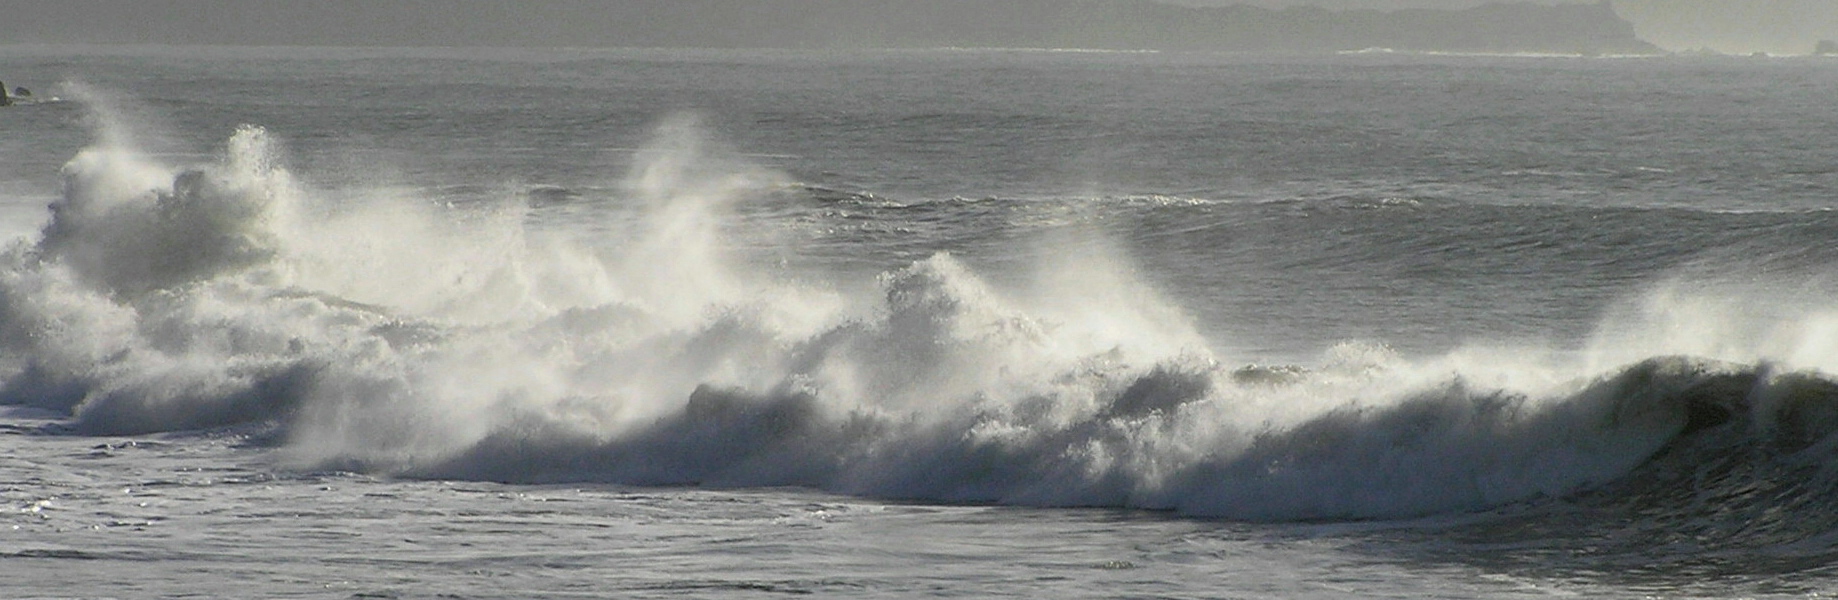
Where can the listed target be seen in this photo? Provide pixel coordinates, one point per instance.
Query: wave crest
(396, 336)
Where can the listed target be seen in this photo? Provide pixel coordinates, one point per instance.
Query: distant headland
(1132, 25)
(1516, 27)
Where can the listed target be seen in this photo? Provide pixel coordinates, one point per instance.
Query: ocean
(550, 323)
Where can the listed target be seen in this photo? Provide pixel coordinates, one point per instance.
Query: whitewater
(562, 323)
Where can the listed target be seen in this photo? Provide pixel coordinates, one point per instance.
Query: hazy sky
(1374, 4)
(1776, 26)
(1731, 26)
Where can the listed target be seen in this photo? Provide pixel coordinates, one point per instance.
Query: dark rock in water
(21, 91)
(4, 100)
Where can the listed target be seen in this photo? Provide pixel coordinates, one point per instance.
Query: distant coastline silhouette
(1507, 27)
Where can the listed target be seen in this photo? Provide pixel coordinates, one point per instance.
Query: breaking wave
(396, 335)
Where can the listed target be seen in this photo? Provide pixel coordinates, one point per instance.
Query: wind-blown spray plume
(398, 336)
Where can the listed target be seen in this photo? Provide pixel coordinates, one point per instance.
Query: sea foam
(401, 336)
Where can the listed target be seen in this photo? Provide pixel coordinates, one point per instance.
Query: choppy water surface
(457, 323)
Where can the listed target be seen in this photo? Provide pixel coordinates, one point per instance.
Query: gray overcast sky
(1731, 26)
(1376, 4)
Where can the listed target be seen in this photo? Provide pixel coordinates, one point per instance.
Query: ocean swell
(401, 336)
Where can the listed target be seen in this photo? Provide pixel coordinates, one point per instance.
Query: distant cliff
(1107, 24)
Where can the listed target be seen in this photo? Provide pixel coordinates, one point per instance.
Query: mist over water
(1424, 370)
(397, 335)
